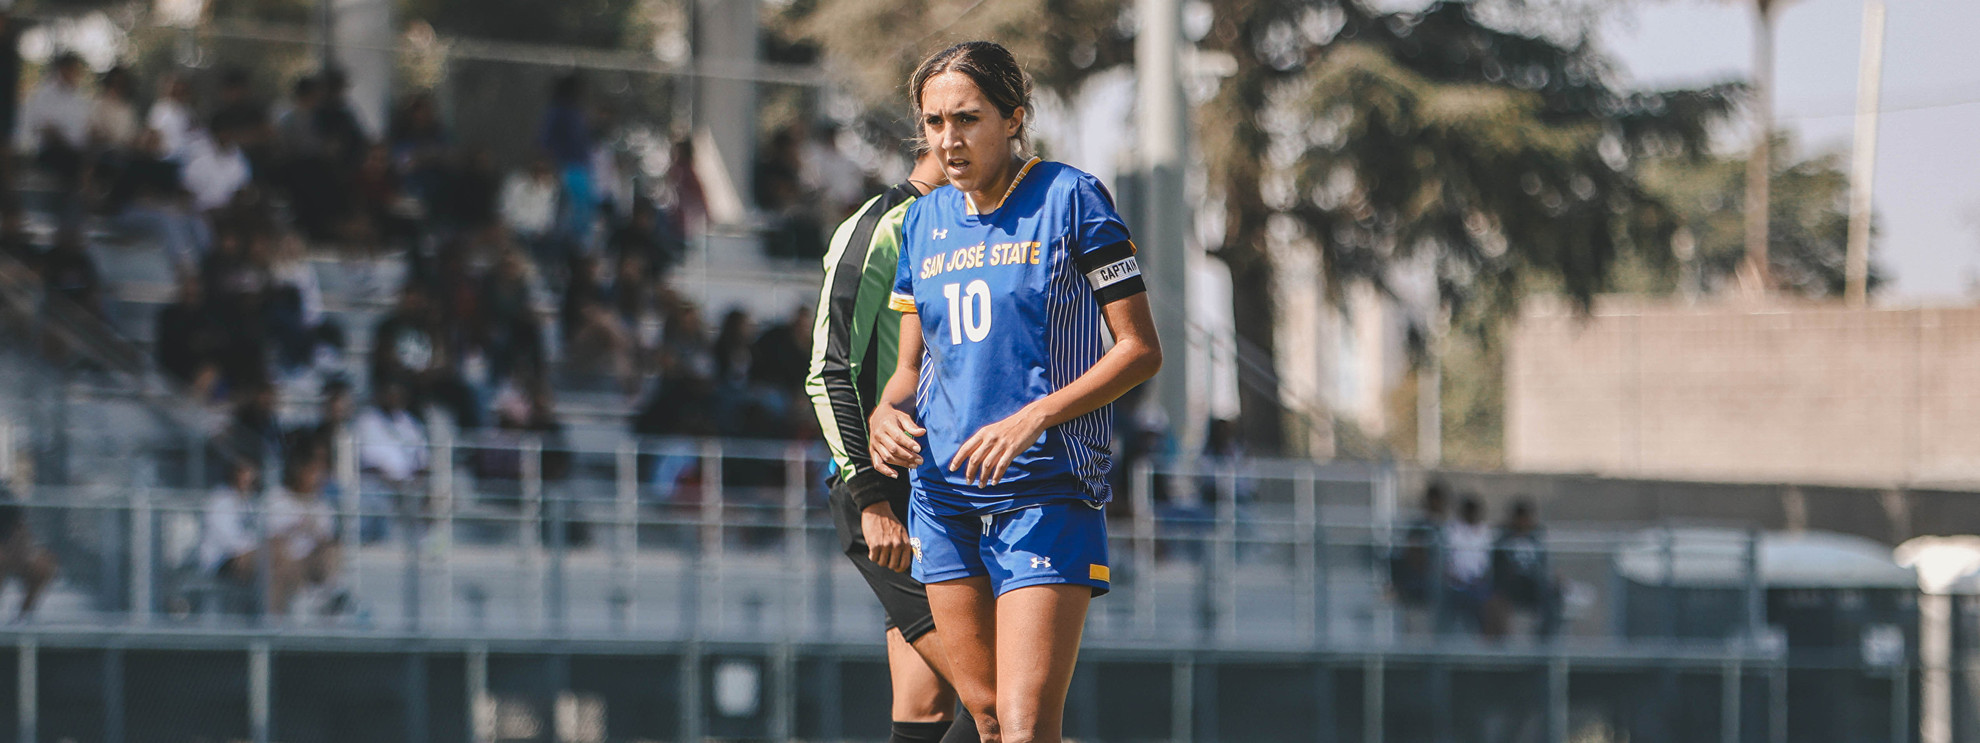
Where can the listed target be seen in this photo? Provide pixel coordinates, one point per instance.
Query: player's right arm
(892, 430)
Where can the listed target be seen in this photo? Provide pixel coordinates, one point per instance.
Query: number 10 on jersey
(969, 311)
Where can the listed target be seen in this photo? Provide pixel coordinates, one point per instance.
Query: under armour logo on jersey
(1041, 562)
(939, 234)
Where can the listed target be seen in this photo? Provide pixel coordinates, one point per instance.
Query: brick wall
(1787, 393)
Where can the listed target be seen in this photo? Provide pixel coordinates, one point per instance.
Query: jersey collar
(969, 207)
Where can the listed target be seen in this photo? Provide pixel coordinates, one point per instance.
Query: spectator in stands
(642, 236)
(732, 349)
(146, 200)
(343, 137)
(1467, 569)
(1417, 567)
(509, 332)
(1522, 579)
(529, 210)
(254, 432)
(216, 165)
(305, 170)
(839, 184)
(689, 200)
(235, 282)
(189, 339)
(172, 117)
(378, 214)
(302, 539)
(598, 341)
(781, 357)
(392, 456)
(418, 142)
(70, 272)
(333, 421)
(228, 538)
(21, 557)
(468, 195)
(113, 122)
(409, 349)
(55, 127)
(566, 135)
(303, 337)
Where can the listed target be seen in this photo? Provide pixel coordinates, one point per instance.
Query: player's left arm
(1135, 357)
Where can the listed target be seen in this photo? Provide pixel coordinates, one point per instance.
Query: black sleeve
(1112, 270)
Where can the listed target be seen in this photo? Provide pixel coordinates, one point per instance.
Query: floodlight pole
(1164, 131)
(1759, 164)
(1863, 155)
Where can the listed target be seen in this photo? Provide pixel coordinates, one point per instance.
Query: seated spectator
(1467, 568)
(302, 538)
(597, 341)
(418, 142)
(171, 116)
(509, 332)
(467, 194)
(1522, 579)
(216, 166)
(379, 213)
(733, 343)
(333, 421)
(529, 210)
(70, 272)
(688, 201)
(392, 458)
(228, 537)
(148, 201)
(1417, 568)
(54, 122)
(21, 557)
(409, 349)
(782, 354)
(189, 340)
(344, 137)
(305, 170)
(641, 235)
(113, 122)
(253, 432)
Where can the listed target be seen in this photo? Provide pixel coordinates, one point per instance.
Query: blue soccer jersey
(1010, 312)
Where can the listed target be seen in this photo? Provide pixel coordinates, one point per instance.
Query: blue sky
(1928, 170)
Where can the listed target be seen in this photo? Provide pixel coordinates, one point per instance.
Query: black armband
(1112, 271)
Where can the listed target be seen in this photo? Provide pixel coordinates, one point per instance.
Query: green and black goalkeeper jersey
(856, 336)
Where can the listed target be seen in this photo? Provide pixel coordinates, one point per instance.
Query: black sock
(964, 731)
(919, 732)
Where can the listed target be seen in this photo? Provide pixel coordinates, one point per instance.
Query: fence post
(141, 578)
(1557, 699)
(1729, 722)
(442, 485)
(1227, 551)
(113, 694)
(1777, 702)
(1901, 726)
(7, 452)
(350, 506)
(1144, 548)
(27, 681)
(1373, 722)
(626, 547)
(480, 709)
(795, 538)
(530, 524)
(1756, 607)
(710, 570)
(1182, 697)
(259, 691)
(1307, 593)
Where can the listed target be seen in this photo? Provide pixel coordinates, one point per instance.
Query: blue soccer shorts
(1059, 542)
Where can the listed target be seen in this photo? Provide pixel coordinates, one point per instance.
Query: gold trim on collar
(969, 205)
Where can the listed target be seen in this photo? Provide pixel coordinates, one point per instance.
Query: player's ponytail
(994, 71)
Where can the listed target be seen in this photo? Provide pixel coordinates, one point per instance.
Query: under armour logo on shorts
(915, 543)
(1041, 562)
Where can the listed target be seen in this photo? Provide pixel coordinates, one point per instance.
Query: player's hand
(886, 537)
(890, 440)
(986, 457)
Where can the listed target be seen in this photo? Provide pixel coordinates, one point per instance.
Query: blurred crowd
(1457, 573)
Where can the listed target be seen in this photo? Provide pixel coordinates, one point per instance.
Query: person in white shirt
(227, 539)
(216, 168)
(529, 202)
(1467, 565)
(172, 117)
(113, 119)
(56, 115)
(392, 453)
(302, 537)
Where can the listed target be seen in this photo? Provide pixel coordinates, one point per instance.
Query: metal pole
(1306, 568)
(1901, 728)
(1227, 549)
(1729, 721)
(141, 577)
(443, 496)
(27, 681)
(1182, 697)
(1863, 154)
(530, 522)
(480, 709)
(1756, 599)
(1144, 549)
(113, 695)
(712, 532)
(1759, 165)
(350, 507)
(794, 473)
(1372, 702)
(1164, 225)
(260, 693)
(626, 547)
(1557, 699)
(691, 705)
(416, 697)
(1777, 692)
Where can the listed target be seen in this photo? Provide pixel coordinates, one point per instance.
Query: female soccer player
(1003, 381)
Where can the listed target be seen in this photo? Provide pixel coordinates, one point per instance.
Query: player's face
(967, 132)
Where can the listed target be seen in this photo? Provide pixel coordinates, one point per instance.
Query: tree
(1389, 138)
(1808, 216)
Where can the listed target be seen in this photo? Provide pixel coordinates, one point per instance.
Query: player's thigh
(965, 616)
(1038, 636)
(920, 695)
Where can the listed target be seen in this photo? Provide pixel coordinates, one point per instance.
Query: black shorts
(904, 598)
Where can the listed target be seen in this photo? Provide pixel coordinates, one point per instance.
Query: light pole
(1759, 164)
(1863, 154)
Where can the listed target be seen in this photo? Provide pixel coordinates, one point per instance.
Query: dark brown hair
(995, 72)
